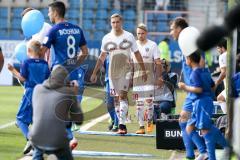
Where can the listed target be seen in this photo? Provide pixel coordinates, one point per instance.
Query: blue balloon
(20, 52)
(32, 23)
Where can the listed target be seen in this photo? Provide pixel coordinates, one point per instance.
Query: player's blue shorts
(25, 108)
(188, 104)
(202, 113)
(109, 99)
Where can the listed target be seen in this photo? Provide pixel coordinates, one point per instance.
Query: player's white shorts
(143, 92)
(117, 85)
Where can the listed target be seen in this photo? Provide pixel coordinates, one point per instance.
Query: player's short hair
(59, 7)
(35, 46)
(195, 56)
(180, 22)
(222, 43)
(142, 26)
(26, 10)
(116, 15)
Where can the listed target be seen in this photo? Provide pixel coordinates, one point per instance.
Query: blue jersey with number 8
(66, 40)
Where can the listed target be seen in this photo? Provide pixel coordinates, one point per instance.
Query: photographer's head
(166, 66)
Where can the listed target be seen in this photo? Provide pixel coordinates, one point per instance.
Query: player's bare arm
(83, 55)
(140, 61)
(221, 76)
(15, 73)
(158, 65)
(192, 89)
(99, 63)
(1, 60)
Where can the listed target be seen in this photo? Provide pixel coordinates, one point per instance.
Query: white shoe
(202, 156)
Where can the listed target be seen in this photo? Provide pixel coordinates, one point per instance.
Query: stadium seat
(101, 25)
(87, 24)
(16, 34)
(34, 3)
(174, 15)
(17, 12)
(113, 11)
(129, 15)
(87, 35)
(103, 4)
(101, 14)
(88, 14)
(129, 26)
(44, 12)
(3, 34)
(90, 4)
(162, 17)
(16, 23)
(3, 24)
(73, 21)
(98, 35)
(162, 26)
(150, 16)
(3, 12)
(73, 13)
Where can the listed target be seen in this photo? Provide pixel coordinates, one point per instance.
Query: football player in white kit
(119, 44)
(143, 92)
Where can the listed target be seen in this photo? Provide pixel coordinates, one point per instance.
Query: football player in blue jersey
(32, 72)
(67, 40)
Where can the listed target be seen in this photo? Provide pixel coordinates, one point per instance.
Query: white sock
(117, 109)
(149, 111)
(223, 107)
(123, 112)
(140, 112)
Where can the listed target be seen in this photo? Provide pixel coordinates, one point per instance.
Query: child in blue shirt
(200, 88)
(32, 72)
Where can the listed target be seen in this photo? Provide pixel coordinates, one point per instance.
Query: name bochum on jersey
(69, 31)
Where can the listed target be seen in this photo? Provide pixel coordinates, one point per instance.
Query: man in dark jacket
(54, 104)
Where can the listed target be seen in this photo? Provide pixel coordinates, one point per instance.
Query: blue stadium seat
(88, 14)
(87, 34)
(74, 1)
(101, 14)
(162, 27)
(17, 12)
(162, 17)
(3, 24)
(45, 12)
(98, 35)
(129, 26)
(101, 25)
(103, 4)
(87, 24)
(16, 23)
(90, 4)
(3, 34)
(150, 16)
(73, 13)
(113, 11)
(174, 15)
(3, 12)
(16, 34)
(73, 21)
(129, 15)
(151, 26)
(74, 4)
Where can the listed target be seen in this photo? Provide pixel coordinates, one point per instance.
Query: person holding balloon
(33, 71)
(67, 40)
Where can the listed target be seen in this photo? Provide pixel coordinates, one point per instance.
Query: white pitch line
(7, 125)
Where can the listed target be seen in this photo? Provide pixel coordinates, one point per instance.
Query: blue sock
(69, 131)
(210, 143)
(112, 114)
(24, 128)
(187, 141)
(219, 138)
(198, 141)
(115, 119)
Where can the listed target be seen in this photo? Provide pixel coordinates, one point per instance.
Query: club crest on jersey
(147, 49)
(109, 46)
(125, 44)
